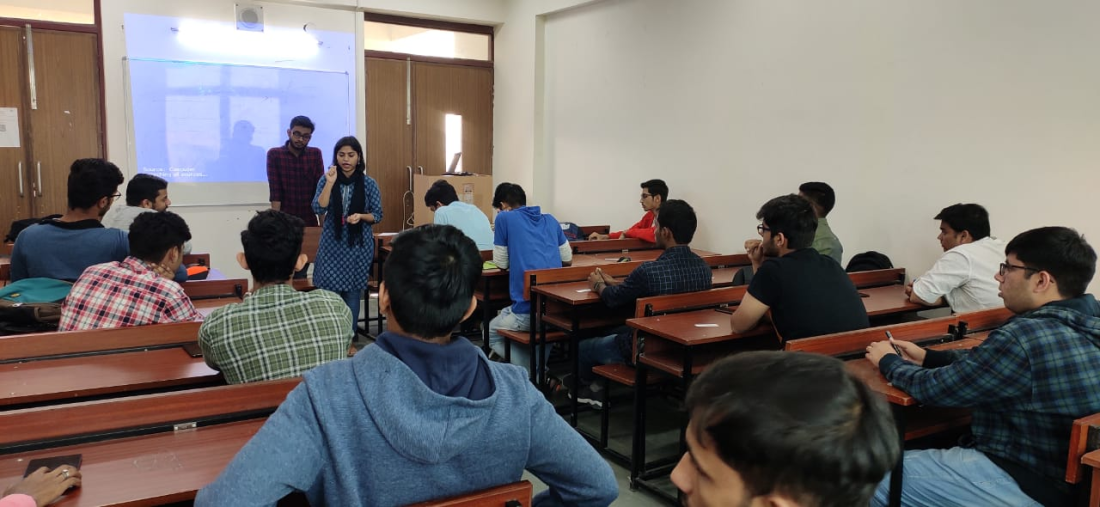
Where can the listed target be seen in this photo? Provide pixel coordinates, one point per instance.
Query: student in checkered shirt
(139, 289)
(1026, 383)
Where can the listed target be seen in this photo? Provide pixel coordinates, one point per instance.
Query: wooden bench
(143, 450)
(1084, 449)
(855, 342)
(983, 320)
(587, 230)
(216, 289)
(72, 343)
(196, 259)
(611, 245)
(878, 277)
(517, 494)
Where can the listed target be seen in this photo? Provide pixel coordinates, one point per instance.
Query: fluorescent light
(224, 39)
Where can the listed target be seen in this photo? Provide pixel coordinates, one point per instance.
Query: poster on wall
(9, 127)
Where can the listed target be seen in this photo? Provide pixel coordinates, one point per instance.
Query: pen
(892, 344)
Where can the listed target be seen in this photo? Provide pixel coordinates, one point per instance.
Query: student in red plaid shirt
(293, 170)
(139, 289)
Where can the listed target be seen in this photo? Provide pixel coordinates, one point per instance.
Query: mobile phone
(895, 345)
(53, 462)
(192, 349)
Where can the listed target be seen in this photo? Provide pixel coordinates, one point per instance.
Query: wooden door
(440, 89)
(14, 186)
(66, 124)
(389, 139)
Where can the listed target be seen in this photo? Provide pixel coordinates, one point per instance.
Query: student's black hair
(442, 192)
(144, 186)
(301, 121)
(791, 215)
(966, 217)
(153, 234)
(510, 194)
(272, 244)
(820, 194)
(795, 424)
(430, 278)
(1060, 251)
(678, 217)
(91, 179)
(656, 187)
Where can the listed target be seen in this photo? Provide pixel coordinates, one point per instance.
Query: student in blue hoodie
(524, 239)
(418, 415)
(1026, 383)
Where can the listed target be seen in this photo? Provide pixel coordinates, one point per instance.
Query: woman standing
(350, 201)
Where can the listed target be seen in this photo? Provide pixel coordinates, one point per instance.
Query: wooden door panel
(14, 204)
(389, 139)
(441, 89)
(66, 125)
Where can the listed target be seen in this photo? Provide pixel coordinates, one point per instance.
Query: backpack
(868, 261)
(32, 305)
(572, 231)
(17, 226)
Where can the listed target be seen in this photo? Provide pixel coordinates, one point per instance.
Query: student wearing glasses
(963, 277)
(654, 193)
(1026, 383)
(808, 294)
(63, 248)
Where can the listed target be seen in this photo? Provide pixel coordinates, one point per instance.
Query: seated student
(822, 197)
(144, 194)
(65, 247)
(442, 199)
(1026, 383)
(654, 193)
(525, 239)
(964, 274)
(138, 290)
(808, 294)
(782, 429)
(277, 331)
(677, 270)
(420, 414)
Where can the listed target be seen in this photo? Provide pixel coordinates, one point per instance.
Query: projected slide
(213, 123)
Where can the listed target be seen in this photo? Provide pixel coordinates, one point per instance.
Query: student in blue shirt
(525, 239)
(442, 199)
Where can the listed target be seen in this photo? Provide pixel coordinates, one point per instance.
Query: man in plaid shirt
(139, 289)
(677, 270)
(1026, 383)
(293, 171)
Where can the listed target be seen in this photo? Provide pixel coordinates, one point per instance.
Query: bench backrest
(587, 230)
(1083, 438)
(58, 422)
(215, 289)
(611, 245)
(311, 241)
(855, 341)
(727, 260)
(201, 259)
(983, 320)
(573, 274)
(516, 494)
(50, 344)
(877, 278)
(657, 305)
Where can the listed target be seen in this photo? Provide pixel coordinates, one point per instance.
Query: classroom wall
(904, 107)
(216, 228)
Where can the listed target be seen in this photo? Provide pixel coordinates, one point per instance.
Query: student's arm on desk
(500, 256)
(559, 457)
(949, 272)
(566, 252)
(616, 295)
(995, 370)
(748, 314)
(281, 458)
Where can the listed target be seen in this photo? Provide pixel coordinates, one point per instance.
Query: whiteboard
(206, 127)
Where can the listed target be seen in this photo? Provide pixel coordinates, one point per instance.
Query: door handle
(421, 169)
(21, 179)
(39, 165)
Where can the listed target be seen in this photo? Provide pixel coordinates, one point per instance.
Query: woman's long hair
(358, 194)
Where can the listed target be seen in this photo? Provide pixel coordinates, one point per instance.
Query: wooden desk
(207, 306)
(70, 379)
(888, 300)
(870, 375)
(59, 344)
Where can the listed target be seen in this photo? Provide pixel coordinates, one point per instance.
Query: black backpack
(868, 261)
(17, 226)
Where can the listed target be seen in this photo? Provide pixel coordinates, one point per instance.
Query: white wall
(904, 107)
(216, 229)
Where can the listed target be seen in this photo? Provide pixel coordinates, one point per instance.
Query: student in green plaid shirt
(277, 332)
(1026, 383)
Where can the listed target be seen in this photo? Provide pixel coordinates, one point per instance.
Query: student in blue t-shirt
(442, 199)
(525, 239)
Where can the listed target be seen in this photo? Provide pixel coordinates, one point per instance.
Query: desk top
(869, 374)
(888, 300)
(147, 470)
(78, 377)
(698, 327)
(207, 306)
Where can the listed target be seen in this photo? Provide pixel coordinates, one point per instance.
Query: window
(424, 41)
(60, 11)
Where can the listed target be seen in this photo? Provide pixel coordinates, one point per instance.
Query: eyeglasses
(115, 195)
(761, 229)
(1006, 266)
(299, 135)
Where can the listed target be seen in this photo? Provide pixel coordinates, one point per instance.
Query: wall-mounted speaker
(250, 17)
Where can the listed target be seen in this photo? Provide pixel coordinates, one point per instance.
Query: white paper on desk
(706, 325)
(9, 127)
(584, 290)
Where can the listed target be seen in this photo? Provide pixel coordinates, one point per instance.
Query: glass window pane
(452, 128)
(62, 11)
(425, 41)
